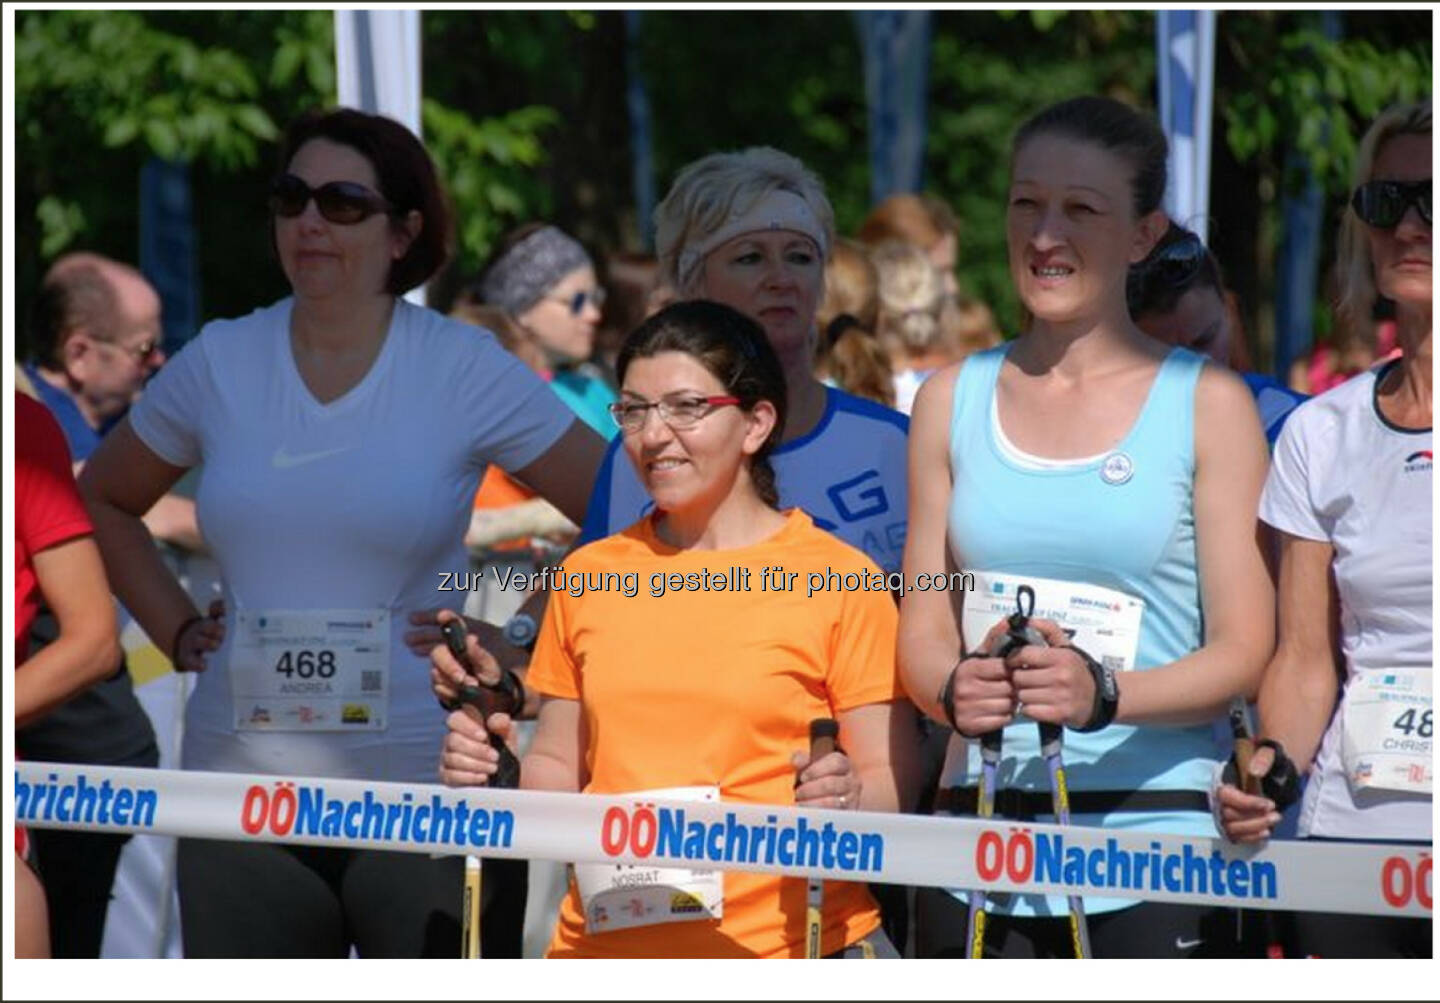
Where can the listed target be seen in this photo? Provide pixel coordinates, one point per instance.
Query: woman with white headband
(752, 230)
(543, 278)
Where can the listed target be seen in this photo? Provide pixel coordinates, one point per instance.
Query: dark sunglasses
(1174, 264)
(1383, 204)
(343, 202)
(577, 302)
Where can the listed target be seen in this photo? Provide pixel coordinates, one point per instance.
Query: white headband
(777, 210)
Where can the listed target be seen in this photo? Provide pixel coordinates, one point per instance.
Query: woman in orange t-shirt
(707, 695)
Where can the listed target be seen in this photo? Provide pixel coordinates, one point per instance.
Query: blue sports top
(1274, 400)
(1128, 526)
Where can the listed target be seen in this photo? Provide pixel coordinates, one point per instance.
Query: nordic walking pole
(470, 910)
(507, 776)
(991, 745)
(1052, 738)
(823, 732)
(1244, 738)
(1018, 634)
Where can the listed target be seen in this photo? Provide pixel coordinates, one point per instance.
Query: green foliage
(107, 81)
(60, 222)
(305, 46)
(488, 170)
(1314, 96)
(524, 112)
(728, 80)
(129, 84)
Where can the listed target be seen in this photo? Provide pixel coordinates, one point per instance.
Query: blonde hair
(1355, 269)
(923, 220)
(970, 326)
(717, 187)
(854, 360)
(851, 286)
(911, 297)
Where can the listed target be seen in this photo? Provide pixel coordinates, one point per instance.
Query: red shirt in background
(48, 509)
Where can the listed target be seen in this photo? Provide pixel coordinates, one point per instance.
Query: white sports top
(360, 503)
(1344, 475)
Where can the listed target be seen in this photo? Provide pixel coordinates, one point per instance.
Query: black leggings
(1147, 930)
(78, 871)
(267, 900)
(1341, 935)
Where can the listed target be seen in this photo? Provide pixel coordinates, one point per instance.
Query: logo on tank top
(1418, 461)
(1117, 469)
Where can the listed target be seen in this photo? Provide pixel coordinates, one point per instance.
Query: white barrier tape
(1390, 880)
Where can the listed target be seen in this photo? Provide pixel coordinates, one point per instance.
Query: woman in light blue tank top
(1119, 480)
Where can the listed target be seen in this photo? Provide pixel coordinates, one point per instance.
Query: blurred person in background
(343, 432)
(970, 326)
(922, 220)
(508, 517)
(1177, 296)
(543, 278)
(634, 292)
(1356, 343)
(96, 334)
(847, 354)
(912, 299)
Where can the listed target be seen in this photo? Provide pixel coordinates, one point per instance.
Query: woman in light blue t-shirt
(1109, 473)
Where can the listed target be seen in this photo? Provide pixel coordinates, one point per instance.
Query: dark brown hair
(406, 176)
(1148, 290)
(735, 351)
(1114, 127)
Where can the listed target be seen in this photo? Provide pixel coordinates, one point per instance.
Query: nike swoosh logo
(283, 460)
(1184, 945)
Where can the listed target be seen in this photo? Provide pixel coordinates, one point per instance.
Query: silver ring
(844, 800)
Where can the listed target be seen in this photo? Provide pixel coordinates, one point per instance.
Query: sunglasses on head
(1383, 204)
(577, 301)
(1175, 264)
(343, 202)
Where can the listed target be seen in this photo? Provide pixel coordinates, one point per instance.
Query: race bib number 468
(311, 670)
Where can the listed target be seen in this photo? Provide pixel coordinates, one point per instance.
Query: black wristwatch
(512, 689)
(520, 631)
(1107, 693)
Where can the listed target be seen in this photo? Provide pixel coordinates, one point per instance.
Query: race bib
(311, 670)
(1388, 724)
(1104, 622)
(619, 896)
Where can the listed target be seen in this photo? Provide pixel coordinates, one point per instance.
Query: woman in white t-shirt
(343, 432)
(1350, 497)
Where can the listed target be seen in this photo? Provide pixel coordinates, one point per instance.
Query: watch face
(1111, 690)
(519, 630)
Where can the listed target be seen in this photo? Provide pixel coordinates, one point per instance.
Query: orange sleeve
(862, 654)
(553, 670)
(499, 490)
